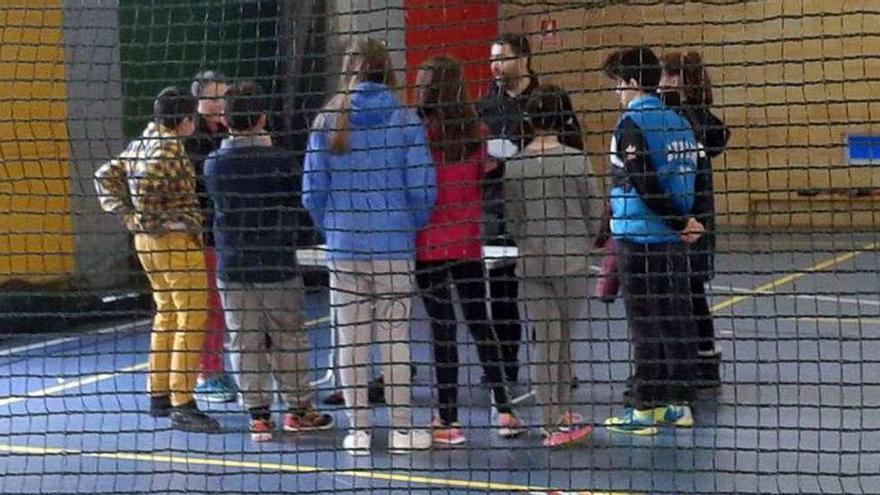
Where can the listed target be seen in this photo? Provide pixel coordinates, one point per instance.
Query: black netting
(423, 246)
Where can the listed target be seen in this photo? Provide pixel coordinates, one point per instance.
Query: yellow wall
(36, 242)
(790, 79)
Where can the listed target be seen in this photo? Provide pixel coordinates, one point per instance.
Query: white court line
(101, 377)
(64, 340)
(88, 380)
(813, 297)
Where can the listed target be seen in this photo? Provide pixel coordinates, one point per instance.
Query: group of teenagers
(406, 197)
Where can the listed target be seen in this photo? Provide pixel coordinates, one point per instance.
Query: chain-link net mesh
(423, 246)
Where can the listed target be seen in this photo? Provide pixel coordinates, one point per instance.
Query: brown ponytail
(696, 85)
(366, 60)
(450, 117)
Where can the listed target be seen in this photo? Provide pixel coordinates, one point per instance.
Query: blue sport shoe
(679, 415)
(214, 389)
(230, 382)
(633, 422)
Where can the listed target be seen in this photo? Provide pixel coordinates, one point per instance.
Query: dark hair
(638, 64)
(443, 103)
(519, 45)
(173, 105)
(366, 60)
(695, 82)
(245, 104)
(203, 78)
(546, 108)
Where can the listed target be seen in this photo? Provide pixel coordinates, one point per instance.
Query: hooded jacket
(370, 200)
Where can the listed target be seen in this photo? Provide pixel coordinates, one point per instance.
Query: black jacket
(713, 135)
(505, 117)
(198, 146)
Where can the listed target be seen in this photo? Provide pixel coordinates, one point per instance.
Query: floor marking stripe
(295, 468)
(88, 380)
(791, 277)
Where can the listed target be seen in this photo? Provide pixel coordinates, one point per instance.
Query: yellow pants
(175, 265)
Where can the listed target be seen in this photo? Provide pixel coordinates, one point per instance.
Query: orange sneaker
(447, 434)
(509, 425)
(306, 419)
(566, 438)
(261, 430)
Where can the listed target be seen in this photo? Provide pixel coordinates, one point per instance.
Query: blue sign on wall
(863, 150)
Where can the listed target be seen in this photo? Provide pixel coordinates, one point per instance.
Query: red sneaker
(509, 426)
(447, 434)
(261, 430)
(306, 419)
(561, 438)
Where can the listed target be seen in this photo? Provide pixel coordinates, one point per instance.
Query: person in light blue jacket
(369, 185)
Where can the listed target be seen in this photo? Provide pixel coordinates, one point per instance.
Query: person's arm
(420, 176)
(632, 150)
(572, 135)
(112, 191)
(715, 134)
(316, 175)
(212, 182)
(514, 202)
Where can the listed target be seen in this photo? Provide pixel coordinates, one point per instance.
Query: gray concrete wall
(94, 97)
(381, 19)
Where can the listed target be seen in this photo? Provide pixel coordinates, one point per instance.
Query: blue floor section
(797, 413)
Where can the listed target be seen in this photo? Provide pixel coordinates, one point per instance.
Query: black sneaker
(188, 417)
(334, 399)
(160, 406)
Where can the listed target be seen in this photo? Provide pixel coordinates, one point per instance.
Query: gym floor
(797, 316)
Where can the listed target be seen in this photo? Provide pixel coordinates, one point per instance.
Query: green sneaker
(678, 415)
(633, 421)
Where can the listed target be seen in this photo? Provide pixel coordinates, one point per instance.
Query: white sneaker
(405, 441)
(357, 443)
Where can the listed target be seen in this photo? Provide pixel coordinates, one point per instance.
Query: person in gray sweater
(551, 198)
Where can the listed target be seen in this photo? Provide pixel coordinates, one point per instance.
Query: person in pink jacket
(448, 249)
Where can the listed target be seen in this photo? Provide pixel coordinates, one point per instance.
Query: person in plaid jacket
(152, 186)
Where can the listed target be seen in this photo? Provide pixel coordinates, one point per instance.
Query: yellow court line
(80, 382)
(769, 287)
(295, 468)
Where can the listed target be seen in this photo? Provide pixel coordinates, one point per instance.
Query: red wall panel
(460, 28)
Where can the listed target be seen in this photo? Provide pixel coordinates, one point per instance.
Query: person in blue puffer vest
(369, 185)
(654, 156)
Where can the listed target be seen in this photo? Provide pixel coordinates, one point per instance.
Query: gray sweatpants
(364, 293)
(268, 339)
(553, 305)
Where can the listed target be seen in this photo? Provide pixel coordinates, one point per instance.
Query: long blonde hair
(366, 60)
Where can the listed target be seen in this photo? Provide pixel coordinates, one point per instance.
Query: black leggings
(703, 315)
(504, 291)
(433, 278)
